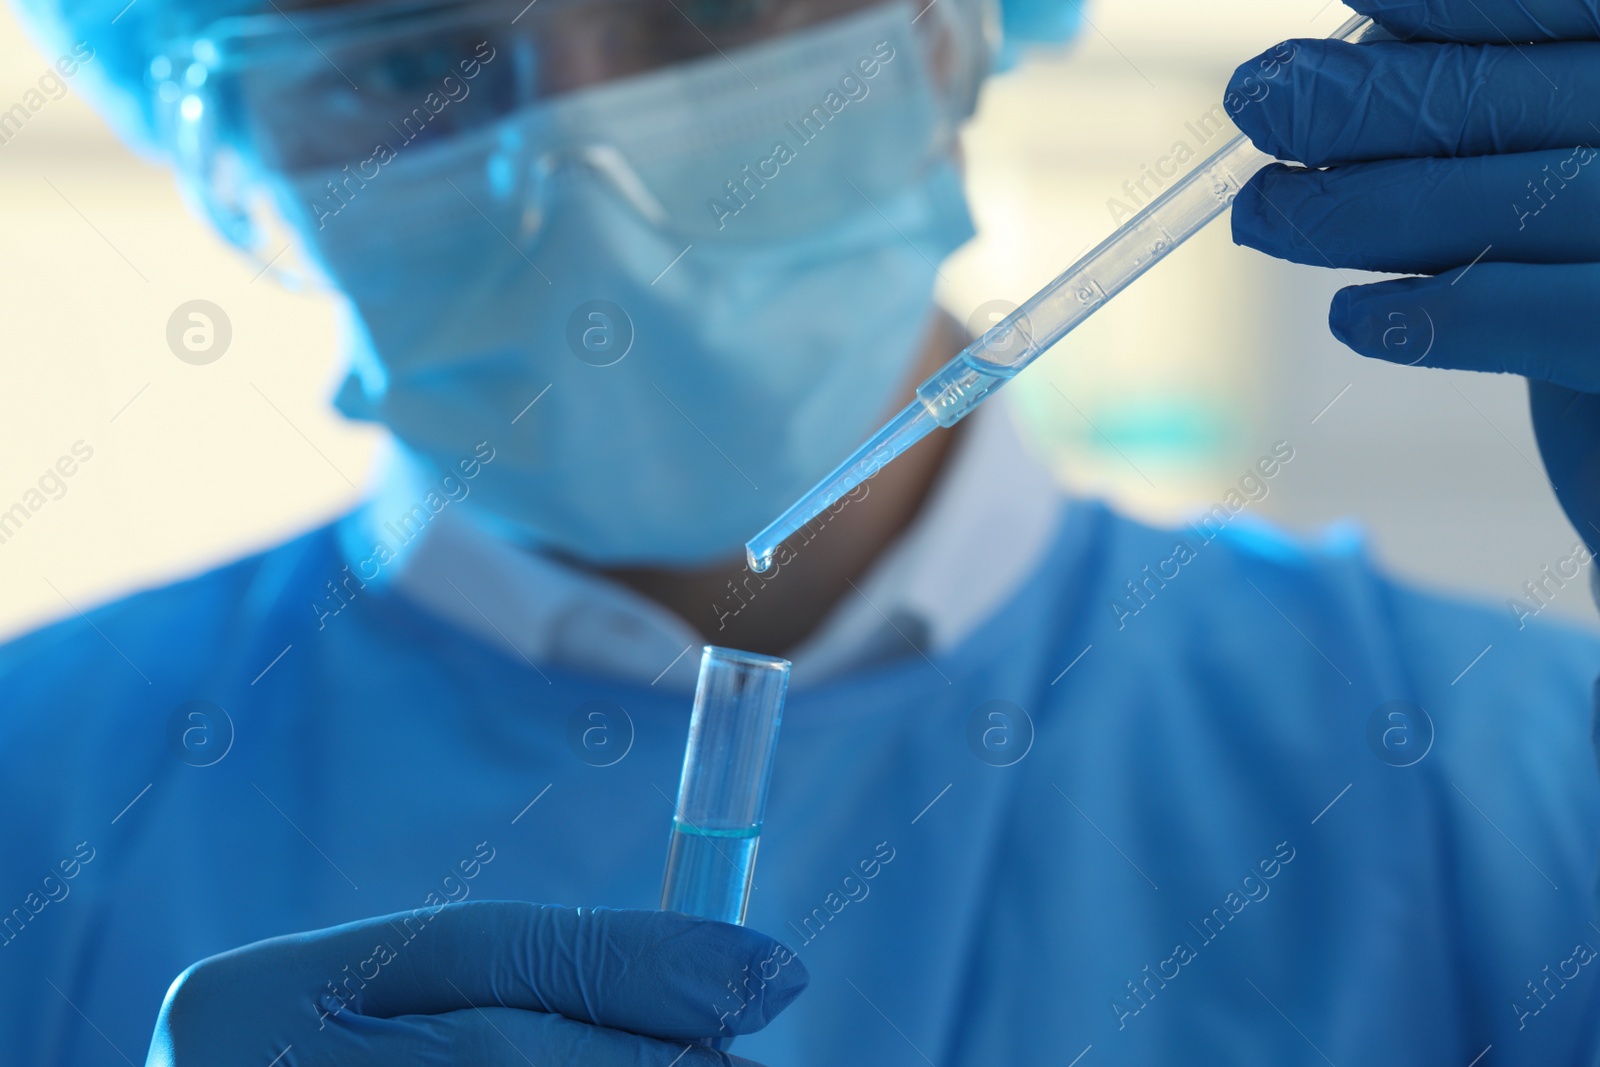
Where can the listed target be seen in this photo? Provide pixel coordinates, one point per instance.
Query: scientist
(622, 279)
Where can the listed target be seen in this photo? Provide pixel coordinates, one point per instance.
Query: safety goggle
(299, 91)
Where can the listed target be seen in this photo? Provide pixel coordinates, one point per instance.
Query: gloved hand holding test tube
(727, 764)
(1045, 318)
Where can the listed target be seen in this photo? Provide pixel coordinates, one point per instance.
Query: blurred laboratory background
(1162, 403)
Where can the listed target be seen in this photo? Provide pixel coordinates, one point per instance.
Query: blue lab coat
(1203, 848)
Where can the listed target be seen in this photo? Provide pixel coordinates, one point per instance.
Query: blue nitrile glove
(482, 983)
(1463, 152)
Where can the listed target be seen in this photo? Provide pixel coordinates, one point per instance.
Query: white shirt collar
(984, 528)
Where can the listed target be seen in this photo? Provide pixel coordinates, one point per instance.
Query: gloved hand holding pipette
(1469, 160)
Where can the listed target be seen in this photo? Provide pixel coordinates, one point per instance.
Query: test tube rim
(748, 659)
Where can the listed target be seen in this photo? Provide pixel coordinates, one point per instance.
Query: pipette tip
(911, 425)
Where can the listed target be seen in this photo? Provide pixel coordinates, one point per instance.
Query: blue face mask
(670, 303)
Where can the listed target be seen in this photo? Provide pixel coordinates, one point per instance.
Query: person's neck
(772, 614)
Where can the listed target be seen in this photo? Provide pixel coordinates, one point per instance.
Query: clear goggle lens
(320, 89)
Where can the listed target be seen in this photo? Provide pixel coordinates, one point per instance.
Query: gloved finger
(1566, 424)
(498, 1037)
(649, 972)
(1486, 20)
(1535, 320)
(1423, 216)
(1332, 102)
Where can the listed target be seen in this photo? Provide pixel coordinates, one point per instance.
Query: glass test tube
(733, 733)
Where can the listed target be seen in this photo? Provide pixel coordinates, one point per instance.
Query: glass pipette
(1045, 318)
